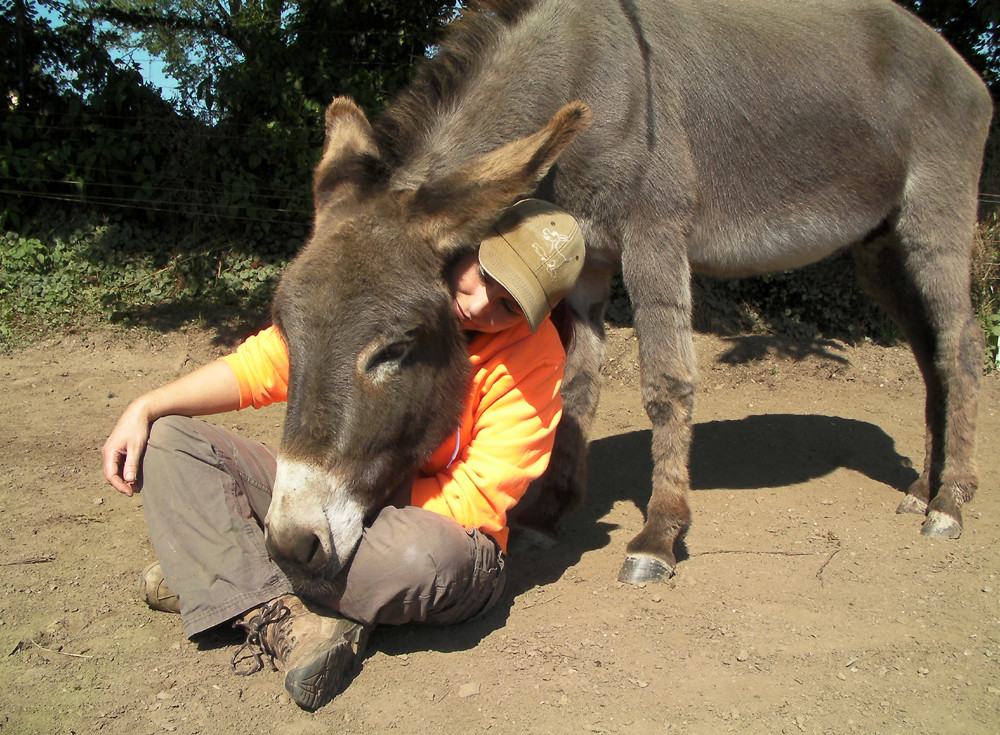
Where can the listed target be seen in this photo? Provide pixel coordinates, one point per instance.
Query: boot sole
(328, 673)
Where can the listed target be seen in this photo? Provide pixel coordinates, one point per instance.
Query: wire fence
(194, 205)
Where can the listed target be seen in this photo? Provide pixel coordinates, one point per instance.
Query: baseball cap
(535, 251)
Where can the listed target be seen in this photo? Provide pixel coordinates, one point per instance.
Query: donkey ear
(348, 152)
(471, 198)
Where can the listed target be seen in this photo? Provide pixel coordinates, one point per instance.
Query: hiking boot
(155, 592)
(317, 650)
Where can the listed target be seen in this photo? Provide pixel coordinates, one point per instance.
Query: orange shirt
(507, 429)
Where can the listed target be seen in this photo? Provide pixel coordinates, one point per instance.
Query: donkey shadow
(765, 451)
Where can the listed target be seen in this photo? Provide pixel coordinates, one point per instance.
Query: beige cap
(536, 253)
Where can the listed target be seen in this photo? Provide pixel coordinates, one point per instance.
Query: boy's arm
(210, 389)
(256, 374)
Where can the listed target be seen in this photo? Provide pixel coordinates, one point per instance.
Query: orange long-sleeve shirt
(507, 429)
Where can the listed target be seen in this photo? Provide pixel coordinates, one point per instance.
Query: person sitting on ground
(206, 490)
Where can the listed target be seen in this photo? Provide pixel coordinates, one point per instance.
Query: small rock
(98, 501)
(469, 690)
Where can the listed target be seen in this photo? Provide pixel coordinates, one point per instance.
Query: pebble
(469, 690)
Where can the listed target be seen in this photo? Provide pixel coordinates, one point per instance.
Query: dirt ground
(804, 604)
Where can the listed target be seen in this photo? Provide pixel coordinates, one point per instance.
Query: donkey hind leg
(925, 288)
(661, 296)
(563, 485)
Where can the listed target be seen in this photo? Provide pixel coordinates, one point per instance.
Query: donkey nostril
(306, 550)
(303, 549)
(315, 553)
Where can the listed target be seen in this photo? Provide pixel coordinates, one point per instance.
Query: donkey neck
(500, 73)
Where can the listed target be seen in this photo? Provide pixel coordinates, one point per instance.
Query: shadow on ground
(764, 451)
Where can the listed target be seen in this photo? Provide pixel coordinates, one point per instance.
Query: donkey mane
(441, 81)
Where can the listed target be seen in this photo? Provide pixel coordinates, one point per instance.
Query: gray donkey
(725, 137)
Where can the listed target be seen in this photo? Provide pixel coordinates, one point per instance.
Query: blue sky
(151, 68)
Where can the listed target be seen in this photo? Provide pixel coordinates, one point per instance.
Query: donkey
(726, 137)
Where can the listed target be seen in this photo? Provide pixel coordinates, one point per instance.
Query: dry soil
(803, 602)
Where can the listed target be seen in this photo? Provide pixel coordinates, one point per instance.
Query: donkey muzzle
(313, 524)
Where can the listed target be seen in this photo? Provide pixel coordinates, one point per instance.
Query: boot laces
(256, 644)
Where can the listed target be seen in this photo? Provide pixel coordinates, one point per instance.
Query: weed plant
(79, 274)
(986, 286)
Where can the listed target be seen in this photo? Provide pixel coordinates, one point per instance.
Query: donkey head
(378, 363)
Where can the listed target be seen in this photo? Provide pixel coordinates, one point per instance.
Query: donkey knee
(672, 399)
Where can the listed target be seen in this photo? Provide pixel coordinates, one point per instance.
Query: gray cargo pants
(205, 492)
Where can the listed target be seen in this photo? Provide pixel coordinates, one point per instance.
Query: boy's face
(482, 304)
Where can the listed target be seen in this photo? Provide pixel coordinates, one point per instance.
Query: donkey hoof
(941, 525)
(912, 504)
(639, 569)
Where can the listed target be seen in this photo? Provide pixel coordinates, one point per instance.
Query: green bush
(986, 286)
(79, 274)
(114, 270)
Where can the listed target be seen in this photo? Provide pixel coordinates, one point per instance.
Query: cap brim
(504, 264)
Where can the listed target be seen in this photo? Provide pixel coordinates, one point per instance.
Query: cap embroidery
(551, 253)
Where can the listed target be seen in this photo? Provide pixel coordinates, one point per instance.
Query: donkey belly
(741, 250)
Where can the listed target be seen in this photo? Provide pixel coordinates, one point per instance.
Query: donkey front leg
(661, 297)
(563, 485)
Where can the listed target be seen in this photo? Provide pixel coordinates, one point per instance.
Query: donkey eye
(394, 351)
(391, 353)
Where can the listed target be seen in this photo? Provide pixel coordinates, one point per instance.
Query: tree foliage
(82, 126)
(279, 60)
(72, 117)
(253, 78)
(972, 27)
